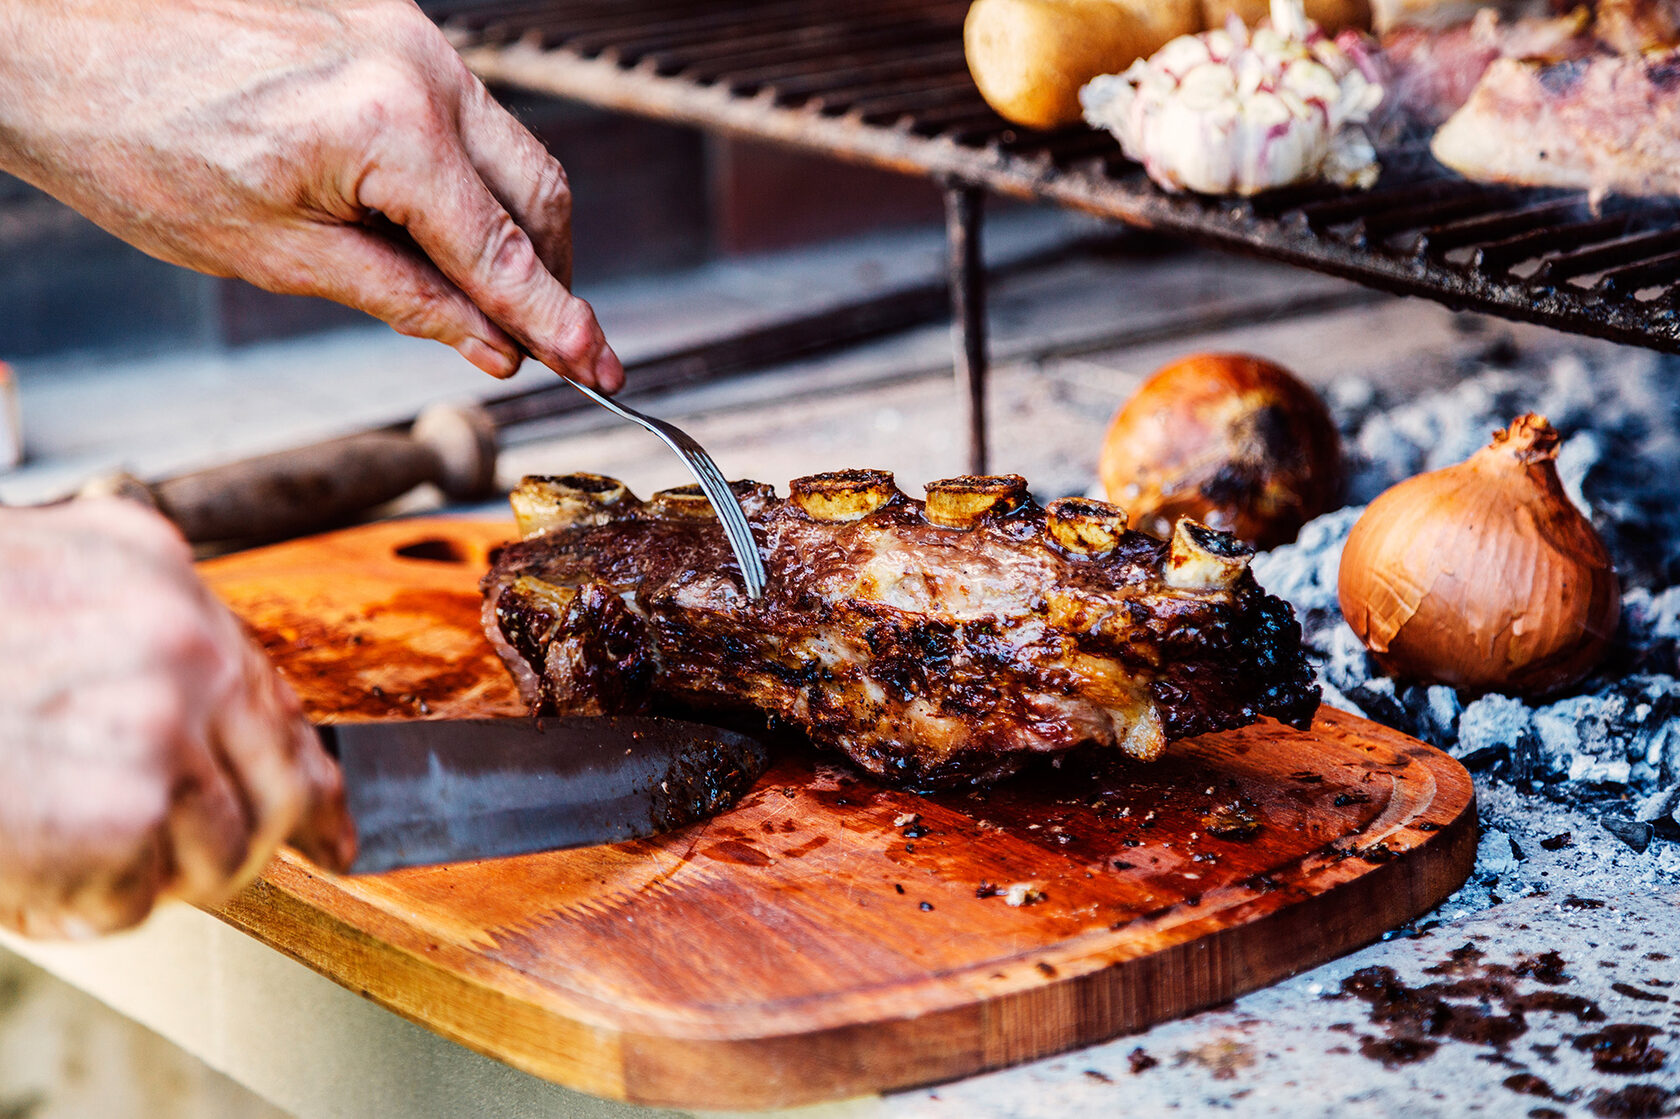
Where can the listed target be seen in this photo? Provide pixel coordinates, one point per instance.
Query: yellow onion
(1483, 575)
(1235, 442)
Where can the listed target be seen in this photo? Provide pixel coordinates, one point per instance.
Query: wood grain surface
(828, 937)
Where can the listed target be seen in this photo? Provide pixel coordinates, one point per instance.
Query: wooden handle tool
(307, 489)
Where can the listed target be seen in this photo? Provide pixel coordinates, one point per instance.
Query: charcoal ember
(1334, 698)
(1305, 572)
(1438, 721)
(1650, 637)
(1635, 833)
(1496, 855)
(1587, 737)
(1396, 441)
(1662, 804)
(1346, 663)
(1378, 699)
(1494, 723)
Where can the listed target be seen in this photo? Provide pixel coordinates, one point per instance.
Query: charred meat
(932, 642)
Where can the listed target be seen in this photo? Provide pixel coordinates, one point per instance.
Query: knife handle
(307, 489)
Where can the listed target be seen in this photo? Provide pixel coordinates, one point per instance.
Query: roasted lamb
(932, 643)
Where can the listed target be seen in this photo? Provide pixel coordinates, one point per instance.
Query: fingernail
(491, 360)
(609, 371)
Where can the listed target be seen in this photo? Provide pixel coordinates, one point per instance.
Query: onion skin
(1483, 576)
(1233, 441)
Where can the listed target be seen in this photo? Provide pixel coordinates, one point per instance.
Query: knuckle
(226, 859)
(154, 719)
(423, 313)
(387, 99)
(551, 193)
(180, 645)
(283, 800)
(578, 340)
(507, 253)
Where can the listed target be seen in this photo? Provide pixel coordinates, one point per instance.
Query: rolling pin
(308, 489)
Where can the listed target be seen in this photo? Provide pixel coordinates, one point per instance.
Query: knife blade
(435, 791)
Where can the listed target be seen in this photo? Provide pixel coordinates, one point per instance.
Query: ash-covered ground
(1594, 770)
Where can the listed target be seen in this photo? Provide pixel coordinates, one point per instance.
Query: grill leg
(967, 273)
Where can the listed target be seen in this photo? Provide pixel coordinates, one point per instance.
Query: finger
(121, 896)
(85, 852)
(325, 834)
(127, 521)
(392, 282)
(104, 897)
(478, 245)
(521, 174)
(92, 905)
(253, 730)
(209, 830)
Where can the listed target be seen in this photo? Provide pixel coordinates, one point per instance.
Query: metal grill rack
(884, 82)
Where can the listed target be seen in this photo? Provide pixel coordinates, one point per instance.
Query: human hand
(147, 747)
(324, 148)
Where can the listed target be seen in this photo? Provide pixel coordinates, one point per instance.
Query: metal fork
(712, 484)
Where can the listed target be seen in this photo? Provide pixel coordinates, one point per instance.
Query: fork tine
(722, 495)
(712, 483)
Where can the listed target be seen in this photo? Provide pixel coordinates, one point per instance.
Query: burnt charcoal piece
(1635, 833)
(1636, 1101)
(933, 642)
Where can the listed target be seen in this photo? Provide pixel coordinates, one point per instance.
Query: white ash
(1611, 744)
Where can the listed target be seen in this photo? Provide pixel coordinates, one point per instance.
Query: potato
(1332, 15)
(1029, 57)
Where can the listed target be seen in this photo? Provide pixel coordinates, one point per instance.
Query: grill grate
(884, 82)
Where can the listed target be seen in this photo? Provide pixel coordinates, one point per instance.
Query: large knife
(424, 792)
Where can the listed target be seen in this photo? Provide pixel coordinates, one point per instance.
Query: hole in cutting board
(433, 550)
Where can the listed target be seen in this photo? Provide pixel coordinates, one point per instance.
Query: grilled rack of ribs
(932, 642)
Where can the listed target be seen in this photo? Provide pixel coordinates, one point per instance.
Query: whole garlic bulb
(1229, 112)
(1483, 575)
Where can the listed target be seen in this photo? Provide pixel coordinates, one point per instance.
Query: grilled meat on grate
(1601, 124)
(932, 643)
(1432, 72)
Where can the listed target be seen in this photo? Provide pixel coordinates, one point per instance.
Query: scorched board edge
(827, 937)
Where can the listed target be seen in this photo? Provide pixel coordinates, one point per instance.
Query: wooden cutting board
(828, 936)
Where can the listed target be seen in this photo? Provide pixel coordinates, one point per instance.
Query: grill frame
(883, 83)
(846, 87)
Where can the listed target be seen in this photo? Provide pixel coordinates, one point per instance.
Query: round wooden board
(828, 936)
